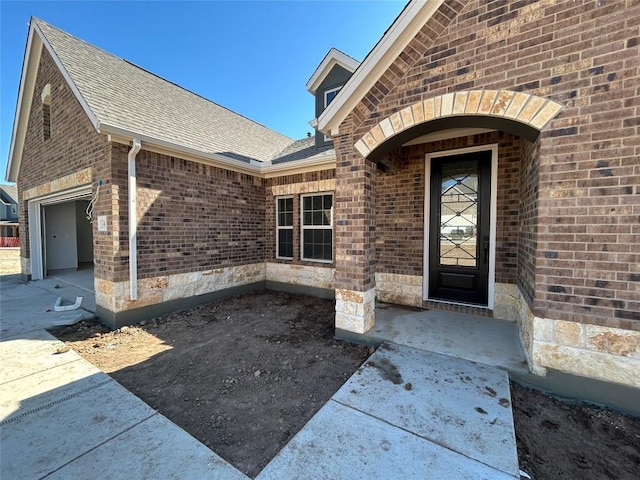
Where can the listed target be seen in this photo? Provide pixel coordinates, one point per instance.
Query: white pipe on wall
(133, 220)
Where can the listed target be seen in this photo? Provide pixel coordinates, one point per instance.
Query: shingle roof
(302, 150)
(123, 95)
(11, 191)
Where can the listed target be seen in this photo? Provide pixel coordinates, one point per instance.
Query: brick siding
(400, 206)
(46, 160)
(294, 185)
(194, 217)
(578, 249)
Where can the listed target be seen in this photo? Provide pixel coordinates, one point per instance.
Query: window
(14, 209)
(284, 227)
(329, 95)
(46, 111)
(317, 227)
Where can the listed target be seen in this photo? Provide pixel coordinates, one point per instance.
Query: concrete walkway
(60, 417)
(406, 413)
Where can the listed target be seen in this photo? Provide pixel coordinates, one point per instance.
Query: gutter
(133, 219)
(258, 169)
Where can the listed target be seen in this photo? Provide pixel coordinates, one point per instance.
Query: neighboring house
(486, 161)
(8, 216)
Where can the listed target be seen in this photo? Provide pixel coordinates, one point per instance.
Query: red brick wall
(73, 145)
(529, 218)
(400, 206)
(193, 217)
(354, 209)
(580, 257)
(270, 206)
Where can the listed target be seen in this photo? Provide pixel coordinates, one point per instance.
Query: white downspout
(133, 220)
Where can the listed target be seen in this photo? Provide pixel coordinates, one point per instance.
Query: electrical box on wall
(102, 223)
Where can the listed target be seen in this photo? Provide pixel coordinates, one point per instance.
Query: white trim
(492, 220)
(316, 227)
(26, 90)
(283, 227)
(34, 207)
(447, 134)
(401, 32)
(326, 104)
(322, 161)
(331, 90)
(332, 58)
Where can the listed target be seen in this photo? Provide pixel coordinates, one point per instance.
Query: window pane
(306, 218)
(317, 244)
(306, 202)
(317, 202)
(289, 204)
(288, 219)
(328, 201)
(317, 218)
(285, 243)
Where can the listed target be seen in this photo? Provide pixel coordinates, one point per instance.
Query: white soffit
(447, 134)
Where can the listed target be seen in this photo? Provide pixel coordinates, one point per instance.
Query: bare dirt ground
(244, 374)
(9, 261)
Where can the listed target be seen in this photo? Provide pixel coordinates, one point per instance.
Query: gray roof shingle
(302, 150)
(11, 191)
(123, 95)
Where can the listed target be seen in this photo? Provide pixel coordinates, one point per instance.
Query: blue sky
(254, 57)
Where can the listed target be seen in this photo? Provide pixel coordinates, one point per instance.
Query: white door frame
(492, 218)
(36, 223)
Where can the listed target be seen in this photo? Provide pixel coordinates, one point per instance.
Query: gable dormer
(325, 83)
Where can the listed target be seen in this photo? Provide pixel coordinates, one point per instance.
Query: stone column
(354, 216)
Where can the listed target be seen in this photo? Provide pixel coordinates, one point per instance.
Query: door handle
(485, 246)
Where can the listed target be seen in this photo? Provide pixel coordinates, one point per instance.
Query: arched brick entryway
(530, 112)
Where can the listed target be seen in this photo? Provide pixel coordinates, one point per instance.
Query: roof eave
(23, 105)
(401, 32)
(36, 40)
(332, 58)
(254, 168)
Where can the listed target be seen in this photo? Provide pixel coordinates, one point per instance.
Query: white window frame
(285, 227)
(316, 227)
(326, 104)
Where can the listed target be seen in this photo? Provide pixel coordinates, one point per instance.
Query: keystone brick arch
(516, 112)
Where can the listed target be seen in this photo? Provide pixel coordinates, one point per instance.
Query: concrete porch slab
(408, 413)
(152, 449)
(471, 337)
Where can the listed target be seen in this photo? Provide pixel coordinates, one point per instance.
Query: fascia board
(261, 170)
(401, 32)
(165, 147)
(332, 58)
(314, 164)
(23, 104)
(85, 106)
